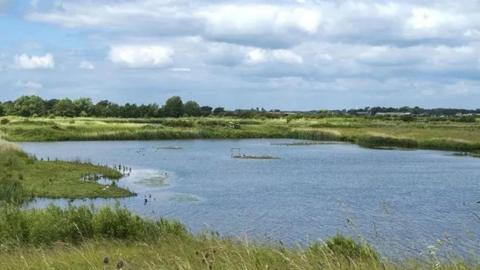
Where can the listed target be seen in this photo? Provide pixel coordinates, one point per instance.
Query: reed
(368, 132)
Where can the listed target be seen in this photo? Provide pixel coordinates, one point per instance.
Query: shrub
(346, 248)
(4, 121)
(12, 191)
(75, 224)
(373, 141)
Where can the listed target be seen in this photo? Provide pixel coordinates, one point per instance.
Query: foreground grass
(113, 238)
(368, 132)
(23, 177)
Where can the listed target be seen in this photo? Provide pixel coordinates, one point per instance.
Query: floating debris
(243, 156)
(184, 198)
(467, 154)
(305, 143)
(236, 153)
(169, 148)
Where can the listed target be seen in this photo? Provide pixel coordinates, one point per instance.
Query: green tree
(83, 107)
(64, 107)
(174, 107)
(206, 110)
(29, 106)
(191, 108)
(218, 110)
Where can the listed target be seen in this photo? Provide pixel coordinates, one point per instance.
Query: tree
(191, 108)
(29, 106)
(83, 107)
(64, 107)
(2, 110)
(50, 104)
(206, 110)
(174, 107)
(218, 110)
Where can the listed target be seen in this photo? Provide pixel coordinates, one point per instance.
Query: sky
(276, 54)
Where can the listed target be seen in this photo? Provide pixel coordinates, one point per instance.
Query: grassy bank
(23, 177)
(366, 131)
(113, 238)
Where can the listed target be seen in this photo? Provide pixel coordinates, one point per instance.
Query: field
(424, 133)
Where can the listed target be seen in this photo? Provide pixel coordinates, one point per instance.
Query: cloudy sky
(288, 54)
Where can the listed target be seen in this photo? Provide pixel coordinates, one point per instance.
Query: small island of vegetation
(24, 177)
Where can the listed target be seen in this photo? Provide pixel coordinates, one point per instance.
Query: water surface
(403, 202)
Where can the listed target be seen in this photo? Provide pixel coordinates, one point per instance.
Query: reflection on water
(400, 201)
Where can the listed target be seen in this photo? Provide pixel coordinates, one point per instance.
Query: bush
(12, 191)
(346, 248)
(372, 141)
(75, 224)
(177, 123)
(4, 121)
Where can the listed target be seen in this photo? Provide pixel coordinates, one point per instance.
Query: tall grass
(376, 141)
(13, 192)
(77, 224)
(367, 132)
(7, 146)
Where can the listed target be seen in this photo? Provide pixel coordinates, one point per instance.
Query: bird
(120, 264)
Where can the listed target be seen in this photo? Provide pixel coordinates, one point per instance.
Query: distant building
(393, 113)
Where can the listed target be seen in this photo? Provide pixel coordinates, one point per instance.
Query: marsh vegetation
(82, 237)
(365, 131)
(23, 177)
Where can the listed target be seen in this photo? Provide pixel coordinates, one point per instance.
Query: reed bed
(367, 132)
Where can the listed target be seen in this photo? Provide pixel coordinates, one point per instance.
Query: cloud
(141, 56)
(34, 62)
(262, 25)
(366, 50)
(86, 65)
(180, 69)
(30, 85)
(260, 56)
(275, 25)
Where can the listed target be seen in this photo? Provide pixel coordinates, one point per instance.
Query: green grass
(81, 238)
(424, 133)
(77, 224)
(23, 177)
(106, 238)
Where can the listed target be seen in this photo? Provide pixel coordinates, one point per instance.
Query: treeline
(34, 106)
(412, 110)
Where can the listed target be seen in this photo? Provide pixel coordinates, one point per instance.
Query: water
(403, 202)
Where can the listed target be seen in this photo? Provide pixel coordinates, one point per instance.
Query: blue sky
(298, 54)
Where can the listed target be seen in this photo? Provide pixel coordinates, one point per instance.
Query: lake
(402, 202)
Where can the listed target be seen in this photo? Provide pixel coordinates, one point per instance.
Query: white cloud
(30, 86)
(426, 18)
(381, 48)
(256, 56)
(34, 62)
(259, 24)
(141, 56)
(287, 57)
(260, 56)
(180, 69)
(86, 65)
(259, 18)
